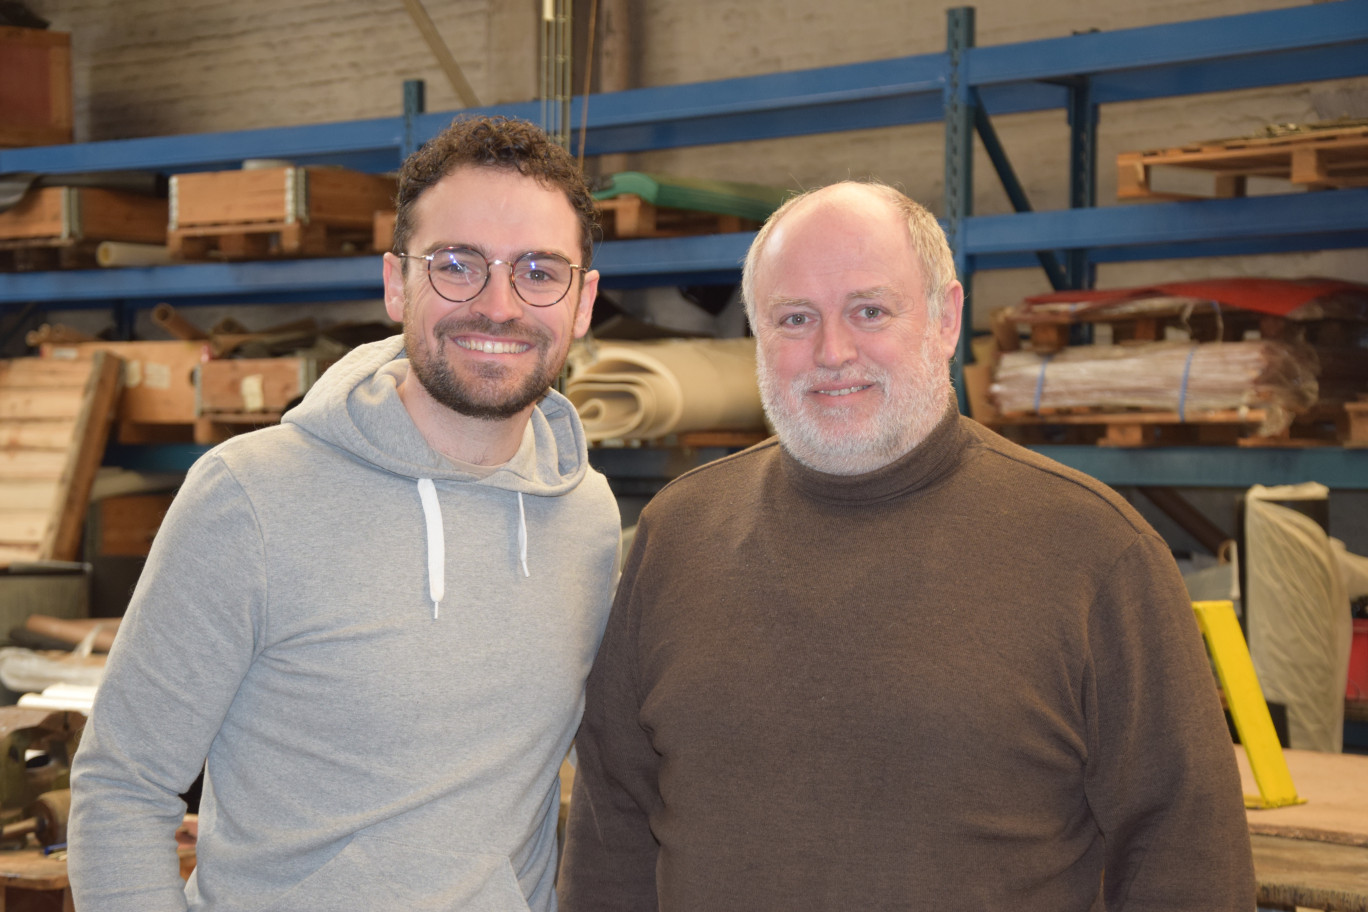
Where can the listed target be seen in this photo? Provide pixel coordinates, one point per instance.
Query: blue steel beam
(1216, 467)
(1303, 29)
(1246, 218)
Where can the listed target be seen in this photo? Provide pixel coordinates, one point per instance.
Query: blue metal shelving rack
(966, 88)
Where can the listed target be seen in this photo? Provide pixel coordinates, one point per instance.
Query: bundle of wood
(1188, 378)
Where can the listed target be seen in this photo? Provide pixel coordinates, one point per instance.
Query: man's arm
(1162, 779)
(180, 655)
(610, 854)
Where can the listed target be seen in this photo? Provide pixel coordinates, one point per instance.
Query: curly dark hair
(493, 142)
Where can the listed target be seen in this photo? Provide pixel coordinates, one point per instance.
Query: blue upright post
(959, 176)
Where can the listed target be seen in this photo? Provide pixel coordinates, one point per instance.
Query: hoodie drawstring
(436, 542)
(522, 535)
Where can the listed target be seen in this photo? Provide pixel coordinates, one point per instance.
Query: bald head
(926, 240)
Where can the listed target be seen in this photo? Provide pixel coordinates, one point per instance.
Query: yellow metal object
(1247, 706)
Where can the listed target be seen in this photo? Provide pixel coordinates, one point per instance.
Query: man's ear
(952, 312)
(394, 287)
(587, 294)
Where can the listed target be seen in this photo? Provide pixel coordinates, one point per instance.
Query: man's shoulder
(1042, 481)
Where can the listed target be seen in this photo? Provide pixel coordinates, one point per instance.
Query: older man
(376, 619)
(890, 660)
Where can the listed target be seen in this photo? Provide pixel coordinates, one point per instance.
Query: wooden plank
(30, 465)
(1295, 873)
(24, 527)
(42, 373)
(10, 554)
(84, 456)
(35, 435)
(1335, 787)
(37, 494)
(29, 404)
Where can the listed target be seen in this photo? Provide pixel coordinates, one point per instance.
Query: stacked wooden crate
(54, 421)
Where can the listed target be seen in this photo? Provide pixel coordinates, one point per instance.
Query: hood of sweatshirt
(355, 406)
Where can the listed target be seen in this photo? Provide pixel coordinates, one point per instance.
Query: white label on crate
(132, 373)
(64, 354)
(157, 376)
(253, 393)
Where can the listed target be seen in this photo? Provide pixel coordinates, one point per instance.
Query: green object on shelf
(751, 201)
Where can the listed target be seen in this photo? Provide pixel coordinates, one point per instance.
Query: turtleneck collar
(922, 466)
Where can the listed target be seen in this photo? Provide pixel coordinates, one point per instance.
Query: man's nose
(498, 302)
(835, 345)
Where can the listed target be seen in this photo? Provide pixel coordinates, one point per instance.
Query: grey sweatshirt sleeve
(183, 649)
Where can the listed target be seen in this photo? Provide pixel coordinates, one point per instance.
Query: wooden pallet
(629, 216)
(46, 254)
(1324, 426)
(1315, 159)
(265, 240)
(54, 422)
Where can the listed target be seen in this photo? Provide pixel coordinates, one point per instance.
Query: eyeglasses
(459, 274)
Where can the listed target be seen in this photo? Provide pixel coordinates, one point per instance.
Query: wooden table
(42, 878)
(1313, 855)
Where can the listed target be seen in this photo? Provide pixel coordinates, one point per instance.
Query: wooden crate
(57, 227)
(1314, 158)
(158, 404)
(254, 390)
(125, 524)
(54, 421)
(286, 211)
(35, 87)
(630, 216)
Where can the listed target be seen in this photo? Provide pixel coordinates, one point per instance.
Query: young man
(890, 660)
(375, 619)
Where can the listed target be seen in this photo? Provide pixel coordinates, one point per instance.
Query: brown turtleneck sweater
(969, 680)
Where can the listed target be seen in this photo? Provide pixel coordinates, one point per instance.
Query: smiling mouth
(489, 347)
(844, 391)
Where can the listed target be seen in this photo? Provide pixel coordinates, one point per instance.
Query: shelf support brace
(960, 104)
(1012, 185)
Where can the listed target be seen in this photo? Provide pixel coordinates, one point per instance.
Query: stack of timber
(1312, 156)
(1247, 361)
(632, 204)
(286, 211)
(54, 422)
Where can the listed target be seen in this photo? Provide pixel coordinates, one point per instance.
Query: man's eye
(794, 320)
(871, 312)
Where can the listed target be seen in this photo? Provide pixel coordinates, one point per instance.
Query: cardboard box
(35, 87)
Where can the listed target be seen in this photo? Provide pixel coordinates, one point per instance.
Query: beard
(840, 440)
(487, 391)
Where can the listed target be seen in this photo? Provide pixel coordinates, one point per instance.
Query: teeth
(842, 392)
(493, 348)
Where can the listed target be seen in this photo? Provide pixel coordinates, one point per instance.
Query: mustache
(455, 324)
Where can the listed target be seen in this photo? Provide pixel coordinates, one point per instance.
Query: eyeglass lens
(460, 273)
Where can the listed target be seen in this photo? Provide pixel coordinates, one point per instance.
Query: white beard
(831, 440)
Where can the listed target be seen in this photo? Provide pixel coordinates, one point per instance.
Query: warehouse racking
(964, 87)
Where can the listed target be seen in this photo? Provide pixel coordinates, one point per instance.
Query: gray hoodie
(382, 658)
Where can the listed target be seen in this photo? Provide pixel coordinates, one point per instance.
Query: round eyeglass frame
(489, 271)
